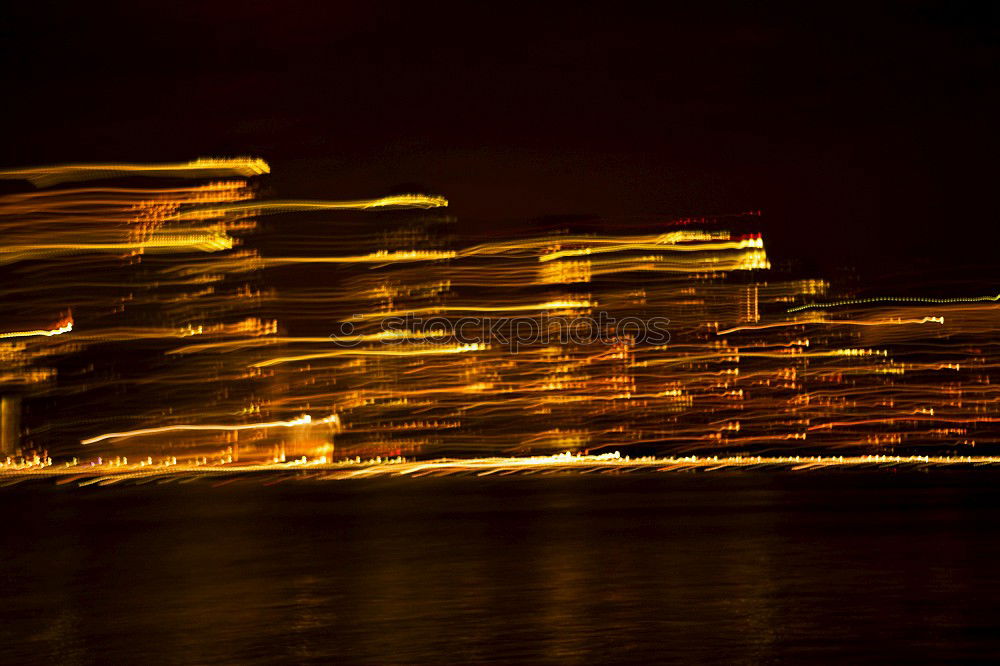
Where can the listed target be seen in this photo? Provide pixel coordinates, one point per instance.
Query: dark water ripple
(729, 568)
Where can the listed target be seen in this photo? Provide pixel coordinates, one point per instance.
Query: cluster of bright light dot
(884, 299)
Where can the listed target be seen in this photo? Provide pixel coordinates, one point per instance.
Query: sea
(731, 567)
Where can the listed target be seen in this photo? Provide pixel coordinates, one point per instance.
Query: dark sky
(866, 132)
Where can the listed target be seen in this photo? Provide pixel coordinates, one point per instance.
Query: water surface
(718, 567)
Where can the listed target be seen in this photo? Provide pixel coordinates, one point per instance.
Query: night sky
(865, 133)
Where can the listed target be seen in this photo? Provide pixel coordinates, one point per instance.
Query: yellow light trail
(117, 471)
(836, 322)
(59, 330)
(373, 258)
(302, 420)
(550, 305)
(203, 242)
(199, 168)
(430, 351)
(264, 341)
(895, 299)
(296, 206)
(627, 247)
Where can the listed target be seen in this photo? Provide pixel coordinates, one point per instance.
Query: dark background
(865, 133)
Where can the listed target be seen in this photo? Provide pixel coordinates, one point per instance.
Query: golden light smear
(301, 421)
(201, 331)
(204, 167)
(420, 351)
(122, 470)
(65, 327)
(271, 207)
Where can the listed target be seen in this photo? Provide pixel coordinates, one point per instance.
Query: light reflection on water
(709, 567)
